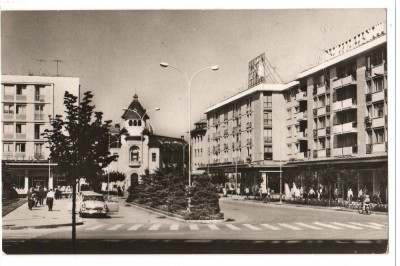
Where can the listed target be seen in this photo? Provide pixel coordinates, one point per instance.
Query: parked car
(92, 203)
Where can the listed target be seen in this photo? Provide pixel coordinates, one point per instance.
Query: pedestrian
(350, 195)
(335, 195)
(378, 197)
(41, 195)
(360, 195)
(311, 193)
(224, 192)
(31, 198)
(50, 199)
(247, 192)
(238, 191)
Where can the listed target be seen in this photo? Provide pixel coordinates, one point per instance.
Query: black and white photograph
(166, 131)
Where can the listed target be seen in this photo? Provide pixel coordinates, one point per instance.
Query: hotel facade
(331, 120)
(28, 104)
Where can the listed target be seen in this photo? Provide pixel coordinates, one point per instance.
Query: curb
(38, 226)
(172, 216)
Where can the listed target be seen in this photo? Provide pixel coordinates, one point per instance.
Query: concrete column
(51, 185)
(26, 187)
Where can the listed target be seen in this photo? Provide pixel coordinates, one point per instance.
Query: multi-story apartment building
(29, 102)
(332, 117)
(198, 145)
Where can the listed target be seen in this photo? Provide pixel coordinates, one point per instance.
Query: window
(20, 128)
(130, 123)
(321, 122)
(321, 101)
(8, 108)
(267, 153)
(8, 147)
(38, 148)
(37, 131)
(267, 100)
(321, 144)
(369, 137)
(268, 118)
(153, 157)
(21, 109)
(139, 123)
(20, 147)
(379, 135)
(21, 89)
(134, 154)
(378, 109)
(378, 84)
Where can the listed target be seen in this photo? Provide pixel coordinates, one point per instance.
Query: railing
(20, 116)
(321, 132)
(8, 116)
(8, 135)
(39, 117)
(321, 111)
(9, 97)
(20, 97)
(322, 89)
(378, 96)
(20, 135)
(301, 96)
(236, 130)
(349, 80)
(301, 135)
(301, 116)
(267, 139)
(134, 163)
(379, 70)
(349, 127)
(349, 103)
(379, 147)
(38, 155)
(378, 122)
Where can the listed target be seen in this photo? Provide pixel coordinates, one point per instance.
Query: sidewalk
(251, 200)
(39, 217)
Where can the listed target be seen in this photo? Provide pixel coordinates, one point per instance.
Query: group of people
(36, 197)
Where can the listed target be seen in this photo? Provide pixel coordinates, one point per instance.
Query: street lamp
(183, 155)
(141, 118)
(189, 81)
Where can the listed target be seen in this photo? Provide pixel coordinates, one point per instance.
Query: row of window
(10, 147)
(21, 89)
(20, 108)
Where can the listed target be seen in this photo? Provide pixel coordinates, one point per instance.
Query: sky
(117, 53)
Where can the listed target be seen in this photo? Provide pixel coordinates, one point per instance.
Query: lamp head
(163, 64)
(215, 68)
(158, 109)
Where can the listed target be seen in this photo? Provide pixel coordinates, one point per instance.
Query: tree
(7, 181)
(79, 143)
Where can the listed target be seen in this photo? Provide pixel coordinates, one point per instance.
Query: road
(249, 224)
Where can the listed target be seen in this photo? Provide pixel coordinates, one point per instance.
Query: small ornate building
(140, 150)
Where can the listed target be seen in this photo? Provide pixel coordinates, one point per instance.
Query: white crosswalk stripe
(380, 225)
(231, 226)
(252, 227)
(135, 227)
(309, 226)
(328, 226)
(95, 227)
(347, 225)
(194, 227)
(174, 227)
(115, 227)
(154, 227)
(213, 227)
(367, 225)
(271, 227)
(290, 226)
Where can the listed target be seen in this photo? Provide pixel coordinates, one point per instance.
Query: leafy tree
(79, 143)
(7, 181)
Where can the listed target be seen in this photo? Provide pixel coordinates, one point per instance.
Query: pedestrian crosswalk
(298, 226)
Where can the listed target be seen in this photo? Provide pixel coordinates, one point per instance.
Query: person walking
(335, 195)
(41, 195)
(50, 199)
(350, 196)
(247, 191)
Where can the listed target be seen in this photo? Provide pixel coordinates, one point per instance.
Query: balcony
(321, 153)
(20, 135)
(321, 132)
(8, 116)
(379, 70)
(346, 81)
(20, 116)
(349, 103)
(345, 151)
(8, 155)
(350, 127)
(301, 116)
(378, 122)
(248, 142)
(215, 135)
(20, 97)
(20, 156)
(236, 130)
(301, 155)
(9, 97)
(39, 156)
(8, 135)
(134, 163)
(301, 135)
(248, 125)
(378, 96)
(39, 117)
(39, 98)
(321, 111)
(267, 140)
(379, 147)
(301, 96)
(322, 89)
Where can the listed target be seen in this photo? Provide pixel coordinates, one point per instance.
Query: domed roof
(136, 111)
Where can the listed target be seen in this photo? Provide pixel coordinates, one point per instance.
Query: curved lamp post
(189, 81)
(141, 118)
(183, 155)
